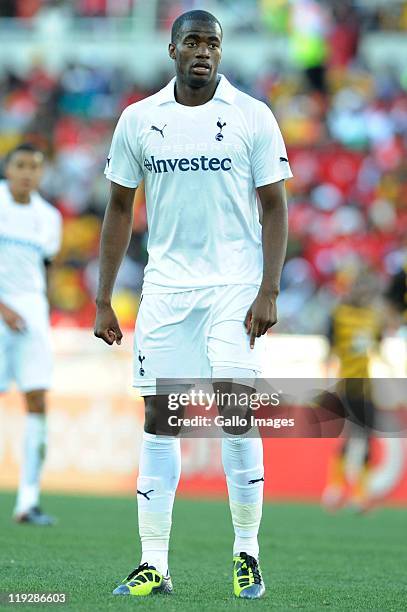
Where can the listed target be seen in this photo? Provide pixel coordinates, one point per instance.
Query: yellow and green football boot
(247, 579)
(144, 580)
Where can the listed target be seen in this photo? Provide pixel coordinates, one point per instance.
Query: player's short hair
(192, 16)
(24, 147)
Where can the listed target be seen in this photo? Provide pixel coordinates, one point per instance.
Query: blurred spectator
(8, 8)
(344, 35)
(247, 15)
(310, 25)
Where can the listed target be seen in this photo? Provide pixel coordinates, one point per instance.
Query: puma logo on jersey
(256, 480)
(156, 129)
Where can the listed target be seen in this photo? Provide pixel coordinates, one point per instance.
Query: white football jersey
(29, 234)
(201, 166)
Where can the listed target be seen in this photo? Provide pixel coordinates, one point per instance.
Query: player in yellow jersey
(354, 331)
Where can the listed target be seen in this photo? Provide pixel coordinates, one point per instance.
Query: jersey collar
(224, 91)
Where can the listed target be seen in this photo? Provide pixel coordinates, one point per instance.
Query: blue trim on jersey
(21, 242)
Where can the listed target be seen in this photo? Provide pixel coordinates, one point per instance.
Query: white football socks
(159, 473)
(242, 459)
(32, 460)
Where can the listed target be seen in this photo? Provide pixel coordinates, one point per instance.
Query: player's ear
(171, 51)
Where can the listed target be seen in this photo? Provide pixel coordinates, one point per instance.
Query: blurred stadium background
(335, 75)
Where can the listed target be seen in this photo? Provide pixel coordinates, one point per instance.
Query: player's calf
(27, 510)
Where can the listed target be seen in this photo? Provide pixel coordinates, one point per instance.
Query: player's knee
(242, 427)
(236, 420)
(35, 401)
(157, 417)
(234, 384)
(150, 423)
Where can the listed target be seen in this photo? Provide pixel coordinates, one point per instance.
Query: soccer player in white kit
(205, 151)
(30, 235)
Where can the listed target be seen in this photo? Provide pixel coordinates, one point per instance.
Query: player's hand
(12, 319)
(261, 315)
(106, 325)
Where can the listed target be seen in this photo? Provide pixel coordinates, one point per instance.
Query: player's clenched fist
(106, 325)
(12, 319)
(261, 315)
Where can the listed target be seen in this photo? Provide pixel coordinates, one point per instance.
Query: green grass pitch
(310, 560)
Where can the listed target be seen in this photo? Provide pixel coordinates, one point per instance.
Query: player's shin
(159, 473)
(32, 460)
(243, 464)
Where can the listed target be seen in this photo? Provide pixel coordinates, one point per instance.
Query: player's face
(197, 53)
(24, 171)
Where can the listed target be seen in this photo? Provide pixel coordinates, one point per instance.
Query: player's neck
(192, 96)
(20, 197)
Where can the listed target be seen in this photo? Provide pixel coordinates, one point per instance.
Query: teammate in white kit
(205, 151)
(30, 234)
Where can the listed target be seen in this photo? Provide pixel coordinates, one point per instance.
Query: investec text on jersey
(196, 163)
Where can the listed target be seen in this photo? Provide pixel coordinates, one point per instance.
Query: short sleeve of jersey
(54, 235)
(122, 166)
(269, 156)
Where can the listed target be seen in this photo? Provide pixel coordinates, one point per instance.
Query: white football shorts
(192, 333)
(26, 357)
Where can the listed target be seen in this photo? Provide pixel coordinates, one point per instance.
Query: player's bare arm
(262, 314)
(11, 318)
(116, 232)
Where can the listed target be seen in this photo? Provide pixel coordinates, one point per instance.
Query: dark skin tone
(196, 53)
(262, 314)
(23, 173)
